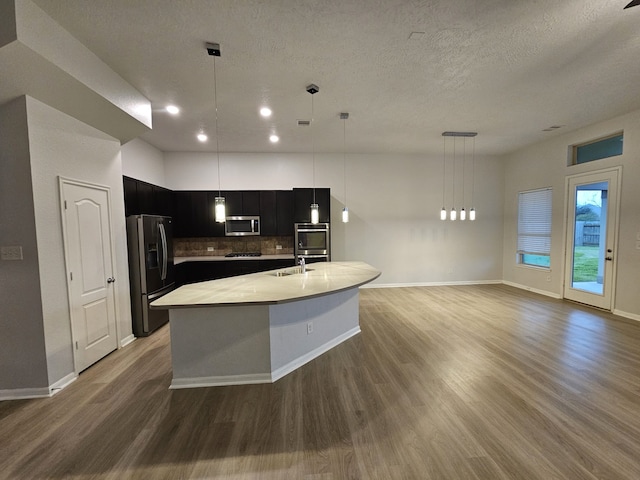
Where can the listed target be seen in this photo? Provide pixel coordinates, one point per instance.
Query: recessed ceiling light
(274, 138)
(202, 137)
(265, 111)
(172, 109)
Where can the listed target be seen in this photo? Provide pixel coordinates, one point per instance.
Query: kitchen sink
(289, 271)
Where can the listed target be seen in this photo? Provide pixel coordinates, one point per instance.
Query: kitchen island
(256, 328)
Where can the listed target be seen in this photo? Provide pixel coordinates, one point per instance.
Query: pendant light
(345, 209)
(443, 212)
(472, 212)
(315, 213)
(453, 213)
(213, 49)
(463, 212)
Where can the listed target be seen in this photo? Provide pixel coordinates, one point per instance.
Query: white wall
(545, 165)
(143, 161)
(63, 146)
(394, 203)
(23, 362)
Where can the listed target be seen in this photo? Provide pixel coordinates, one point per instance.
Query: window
(598, 149)
(534, 228)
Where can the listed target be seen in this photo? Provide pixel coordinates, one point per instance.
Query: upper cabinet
(193, 210)
(142, 197)
(276, 212)
(242, 202)
(302, 200)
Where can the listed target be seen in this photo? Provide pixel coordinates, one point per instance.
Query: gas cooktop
(243, 254)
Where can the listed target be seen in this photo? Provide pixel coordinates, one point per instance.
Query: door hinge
(65, 204)
(76, 345)
(71, 276)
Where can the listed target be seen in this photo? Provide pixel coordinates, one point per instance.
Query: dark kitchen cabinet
(268, 213)
(131, 205)
(276, 212)
(145, 198)
(284, 212)
(302, 200)
(194, 214)
(201, 271)
(238, 202)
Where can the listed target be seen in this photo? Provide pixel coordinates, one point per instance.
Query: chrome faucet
(303, 265)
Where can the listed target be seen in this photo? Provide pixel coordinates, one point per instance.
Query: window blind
(534, 222)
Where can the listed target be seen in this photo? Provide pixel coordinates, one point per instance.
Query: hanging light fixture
(453, 213)
(463, 213)
(443, 212)
(213, 49)
(315, 213)
(345, 209)
(472, 212)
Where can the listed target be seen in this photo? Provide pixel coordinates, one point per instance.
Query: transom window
(598, 149)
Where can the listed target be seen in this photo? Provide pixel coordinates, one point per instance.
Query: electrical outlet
(210, 249)
(11, 253)
(309, 328)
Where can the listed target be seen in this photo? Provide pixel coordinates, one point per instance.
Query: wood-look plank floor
(472, 382)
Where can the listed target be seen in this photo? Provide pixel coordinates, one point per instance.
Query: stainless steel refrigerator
(151, 273)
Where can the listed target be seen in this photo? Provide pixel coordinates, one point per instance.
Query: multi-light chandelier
(453, 213)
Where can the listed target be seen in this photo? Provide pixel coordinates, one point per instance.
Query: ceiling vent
(304, 123)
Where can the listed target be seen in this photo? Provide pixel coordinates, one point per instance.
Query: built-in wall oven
(312, 242)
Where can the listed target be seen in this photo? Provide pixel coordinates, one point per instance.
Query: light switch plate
(11, 253)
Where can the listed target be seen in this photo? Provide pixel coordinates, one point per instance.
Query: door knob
(111, 280)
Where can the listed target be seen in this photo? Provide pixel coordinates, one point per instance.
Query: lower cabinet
(193, 272)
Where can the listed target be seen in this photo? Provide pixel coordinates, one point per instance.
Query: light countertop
(267, 288)
(222, 258)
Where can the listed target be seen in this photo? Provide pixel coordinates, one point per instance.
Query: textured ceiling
(505, 68)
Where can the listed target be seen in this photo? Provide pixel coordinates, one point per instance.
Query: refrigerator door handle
(163, 260)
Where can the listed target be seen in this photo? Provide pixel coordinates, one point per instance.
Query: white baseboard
(62, 383)
(39, 392)
(534, 290)
(431, 284)
(127, 340)
(198, 382)
(630, 316)
(316, 352)
(24, 393)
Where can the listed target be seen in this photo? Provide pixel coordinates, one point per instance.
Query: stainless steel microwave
(242, 225)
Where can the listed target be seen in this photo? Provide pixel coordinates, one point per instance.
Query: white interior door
(592, 211)
(87, 238)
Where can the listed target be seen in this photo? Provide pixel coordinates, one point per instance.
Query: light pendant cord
(215, 102)
(464, 158)
(473, 170)
(344, 156)
(444, 167)
(313, 153)
(453, 198)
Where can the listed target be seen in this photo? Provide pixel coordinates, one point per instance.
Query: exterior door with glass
(590, 261)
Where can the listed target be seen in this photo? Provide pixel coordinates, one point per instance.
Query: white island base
(259, 327)
(236, 345)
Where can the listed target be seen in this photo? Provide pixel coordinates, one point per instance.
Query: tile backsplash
(197, 247)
